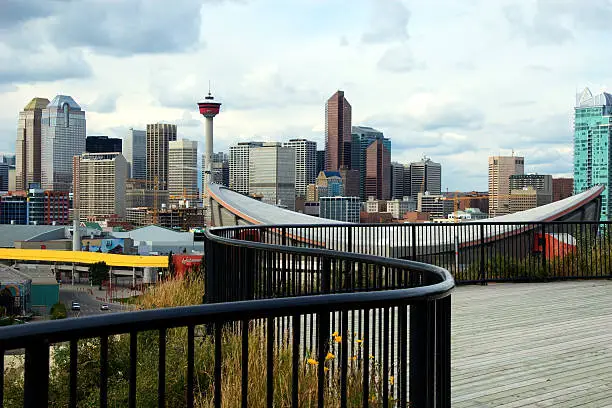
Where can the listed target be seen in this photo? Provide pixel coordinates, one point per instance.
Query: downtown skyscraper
(305, 163)
(337, 132)
(159, 135)
(183, 171)
(592, 145)
(27, 146)
(63, 130)
(135, 152)
(500, 170)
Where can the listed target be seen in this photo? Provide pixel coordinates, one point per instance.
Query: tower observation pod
(209, 108)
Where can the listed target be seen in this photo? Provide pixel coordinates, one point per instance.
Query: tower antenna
(209, 87)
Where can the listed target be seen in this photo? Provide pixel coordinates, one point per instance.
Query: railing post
(413, 242)
(483, 278)
(325, 275)
(349, 239)
(422, 355)
(36, 375)
(543, 246)
(443, 351)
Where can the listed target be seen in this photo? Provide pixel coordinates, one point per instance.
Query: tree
(98, 272)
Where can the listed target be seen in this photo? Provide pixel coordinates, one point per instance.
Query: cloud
(389, 22)
(432, 116)
(16, 12)
(129, 27)
(263, 87)
(557, 21)
(344, 41)
(104, 103)
(399, 59)
(47, 66)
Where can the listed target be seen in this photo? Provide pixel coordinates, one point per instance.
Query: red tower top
(209, 107)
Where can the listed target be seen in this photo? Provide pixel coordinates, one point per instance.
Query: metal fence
(476, 252)
(349, 329)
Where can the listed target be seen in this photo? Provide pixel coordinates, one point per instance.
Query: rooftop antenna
(209, 87)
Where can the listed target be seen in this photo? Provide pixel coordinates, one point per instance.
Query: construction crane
(184, 196)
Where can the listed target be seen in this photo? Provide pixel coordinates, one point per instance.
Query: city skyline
(400, 75)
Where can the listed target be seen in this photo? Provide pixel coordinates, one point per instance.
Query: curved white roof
(257, 212)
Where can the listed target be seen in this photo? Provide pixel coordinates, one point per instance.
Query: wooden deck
(533, 345)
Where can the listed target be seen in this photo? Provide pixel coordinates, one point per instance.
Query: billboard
(185, 263)
(106, 246)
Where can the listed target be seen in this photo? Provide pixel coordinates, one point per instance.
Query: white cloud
(467, 82)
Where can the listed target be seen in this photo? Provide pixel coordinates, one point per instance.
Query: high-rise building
(425, 177)
(320, 161)
(9, 159)
(239, 166)
(562, 188)
(102, 144)
(14, 208)
(378, 171)
(397, 181)
(542, 183)
(337, 132)
(4, 177)
(183, 171)
(305, 163)
(523, 199)
(135, 152)
(12, 184)
(27, 147)
(592, 136)
(158, 137)
(48, 207)
(328, 184)
(101, 188)
(340, 208)
(434, 204)
(220, 169)
(350, 181)
(272, 174)
(362, 138)
(63, 130)
(500, 170)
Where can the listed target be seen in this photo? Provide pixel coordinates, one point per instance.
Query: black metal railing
(328, 329)
(475, 252)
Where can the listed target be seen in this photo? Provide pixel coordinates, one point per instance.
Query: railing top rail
(137, 321)
(440, 274)
(420, 224)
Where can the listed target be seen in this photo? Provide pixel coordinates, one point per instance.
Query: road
(89, 304)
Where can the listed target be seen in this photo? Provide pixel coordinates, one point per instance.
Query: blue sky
(457, 81)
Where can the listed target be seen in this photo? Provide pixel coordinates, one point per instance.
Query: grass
(179, 292)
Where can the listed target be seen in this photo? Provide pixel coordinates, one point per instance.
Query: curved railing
(349, 329)
(392, 315)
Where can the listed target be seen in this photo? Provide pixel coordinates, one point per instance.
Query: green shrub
(58, 311)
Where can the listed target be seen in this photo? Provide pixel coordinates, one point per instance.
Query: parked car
(104, 306)
(76, 305)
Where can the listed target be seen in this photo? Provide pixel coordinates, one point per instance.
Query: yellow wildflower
(372, 357)
(391, 380)
(312, 361)
(329, 356)
(359, 341)
(334, 334)
(325, 369)
(354, 358)
(338, 339)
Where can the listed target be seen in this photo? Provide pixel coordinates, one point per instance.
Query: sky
(455, 81)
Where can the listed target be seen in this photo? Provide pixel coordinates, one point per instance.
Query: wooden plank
(545, 344)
